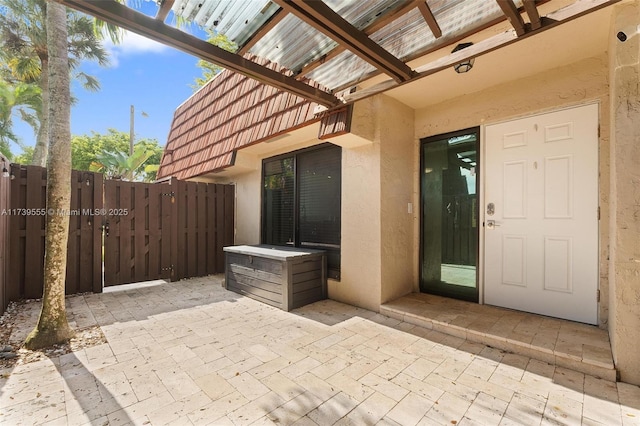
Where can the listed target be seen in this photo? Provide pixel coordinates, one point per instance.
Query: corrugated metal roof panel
(293, 43)
(408, 36)
(351, 67)
(233, 111)
(237, 19)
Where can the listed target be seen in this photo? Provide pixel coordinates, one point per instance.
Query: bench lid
(273, 252)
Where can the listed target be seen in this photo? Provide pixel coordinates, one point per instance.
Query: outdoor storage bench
(284, 277)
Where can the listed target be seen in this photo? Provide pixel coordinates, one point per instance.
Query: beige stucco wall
(360, 243)
(398, 225)
(378, 257)
(380, 238)
(624, 324)
(581, 82)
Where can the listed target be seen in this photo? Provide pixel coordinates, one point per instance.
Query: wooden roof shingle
(230, 112)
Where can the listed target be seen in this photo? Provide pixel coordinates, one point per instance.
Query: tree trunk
(42, 139)
(52, 324)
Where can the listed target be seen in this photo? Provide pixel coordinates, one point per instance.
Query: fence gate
(26, 223)
(137, 231)
(171, 230)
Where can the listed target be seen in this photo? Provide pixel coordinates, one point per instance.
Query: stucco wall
(248, 207)
(360, 244)
(624, 325)
(379, 175)
(378, 255)
(360, 240)
(578, 83)
(399, 257)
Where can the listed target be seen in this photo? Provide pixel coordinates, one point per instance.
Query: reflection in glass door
(449, 225)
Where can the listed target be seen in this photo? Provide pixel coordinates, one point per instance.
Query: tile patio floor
(191, 353)
(569, 344)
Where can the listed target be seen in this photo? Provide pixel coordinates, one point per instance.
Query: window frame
(296, 197)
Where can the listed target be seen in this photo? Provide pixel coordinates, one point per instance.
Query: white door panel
(542, 178)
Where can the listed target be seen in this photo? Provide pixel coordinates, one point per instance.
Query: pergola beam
(532, 12)
(115, 13)
(368, 30)
(382, 22)
(498, 41)
(430, 19)
(165, 8)
(511, 12)
(324, 19)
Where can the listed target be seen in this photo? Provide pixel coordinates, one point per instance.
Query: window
(301, 196)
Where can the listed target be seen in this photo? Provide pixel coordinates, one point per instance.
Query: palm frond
(30, 118)
(88, 82)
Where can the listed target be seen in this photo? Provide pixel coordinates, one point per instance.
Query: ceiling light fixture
(466, 65)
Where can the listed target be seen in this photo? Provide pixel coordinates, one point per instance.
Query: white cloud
(132, 44)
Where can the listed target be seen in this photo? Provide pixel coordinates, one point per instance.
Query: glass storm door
(449, 222)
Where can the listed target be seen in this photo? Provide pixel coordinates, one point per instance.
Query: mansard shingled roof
(230, 112)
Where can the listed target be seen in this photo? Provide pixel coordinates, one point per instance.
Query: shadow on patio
(190, 352)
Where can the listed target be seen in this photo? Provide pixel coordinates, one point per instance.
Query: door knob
(491, 224)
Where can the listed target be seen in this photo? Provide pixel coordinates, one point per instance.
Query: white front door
(541, 214)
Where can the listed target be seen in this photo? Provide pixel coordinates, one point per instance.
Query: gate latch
(105, 228)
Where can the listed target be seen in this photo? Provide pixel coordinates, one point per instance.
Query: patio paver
(190, 352)
(568, 344)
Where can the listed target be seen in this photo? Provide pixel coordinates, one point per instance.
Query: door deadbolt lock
(491, 209)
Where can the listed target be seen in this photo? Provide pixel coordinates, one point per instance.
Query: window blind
(301, 202)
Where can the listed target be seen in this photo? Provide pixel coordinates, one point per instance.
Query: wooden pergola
(525, 21)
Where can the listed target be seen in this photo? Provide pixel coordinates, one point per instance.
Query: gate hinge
(598, 212)
(598, 295)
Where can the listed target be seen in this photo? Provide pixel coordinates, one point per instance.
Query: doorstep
(580, 347)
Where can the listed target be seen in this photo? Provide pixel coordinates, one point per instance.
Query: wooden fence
(204, 226)
(4, 241)
(459, 229)
(27, 217)
(171, 230)
(137, 233)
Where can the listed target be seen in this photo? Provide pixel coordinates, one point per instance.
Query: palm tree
(24, 50)
(52, 324)
(23, 99)
(120, 165)
(210, 70)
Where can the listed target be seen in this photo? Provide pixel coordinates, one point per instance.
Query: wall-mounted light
(5, 172)
(466, 65)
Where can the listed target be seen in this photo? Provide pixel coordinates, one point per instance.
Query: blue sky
(152, 77)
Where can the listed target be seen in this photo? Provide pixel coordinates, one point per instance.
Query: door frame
(482, 188)
(478, 130)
